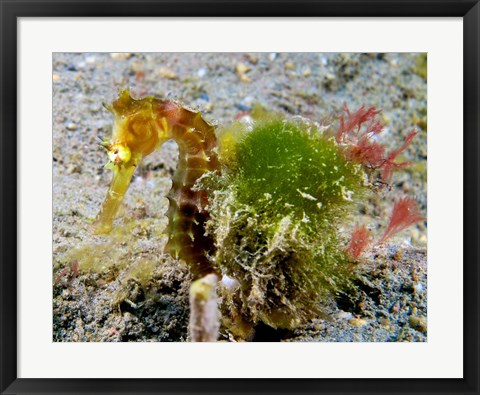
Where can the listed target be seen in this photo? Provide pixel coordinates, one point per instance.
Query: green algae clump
(276, 209)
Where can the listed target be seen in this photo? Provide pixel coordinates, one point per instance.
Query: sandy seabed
(121, 287)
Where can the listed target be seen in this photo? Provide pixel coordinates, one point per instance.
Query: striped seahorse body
(140, 127)
(186, 213)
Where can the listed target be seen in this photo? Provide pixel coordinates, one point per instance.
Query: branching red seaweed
(405, 213)
(390, 164)
(359, 240)
(357, 132)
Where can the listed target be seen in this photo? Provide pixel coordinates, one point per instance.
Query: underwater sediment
(134, 292)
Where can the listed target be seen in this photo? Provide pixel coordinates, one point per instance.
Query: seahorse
(140, 127)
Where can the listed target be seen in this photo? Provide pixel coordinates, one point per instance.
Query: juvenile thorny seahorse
(141, 126)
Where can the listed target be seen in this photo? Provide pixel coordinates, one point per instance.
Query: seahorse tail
(187, 239)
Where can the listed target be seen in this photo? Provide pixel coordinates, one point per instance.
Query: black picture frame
(469, 10)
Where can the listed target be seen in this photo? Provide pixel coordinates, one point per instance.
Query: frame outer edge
(244, 8)
(471, 103)
(8, 199)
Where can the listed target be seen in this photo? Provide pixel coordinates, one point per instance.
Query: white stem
(204, 314)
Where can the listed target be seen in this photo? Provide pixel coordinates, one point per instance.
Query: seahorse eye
(119, 154)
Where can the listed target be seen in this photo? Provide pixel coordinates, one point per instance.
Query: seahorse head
(135, 124)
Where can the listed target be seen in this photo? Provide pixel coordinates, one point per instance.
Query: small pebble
(419, 323)
(55, 77)
(248, 100)
(272, 56)
(71, 126)
(385, 322)
(252, 58)
(397, 255)
(241, 68)
(137, 67)
(357, 322)
(120, 55)
(415, 234)
(204, 96)
(90, 59)
(243, 107)
(396, 307)
(418, 287)
(406, 187)
(344, 315)
(202, 72)
(166, 73)
(329, 77)
(72, 169)
(95, 107)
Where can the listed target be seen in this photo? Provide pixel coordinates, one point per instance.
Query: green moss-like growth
(420, 67)
(285, 170)
(275, 216)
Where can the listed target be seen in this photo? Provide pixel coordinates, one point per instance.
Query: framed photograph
(234, 197)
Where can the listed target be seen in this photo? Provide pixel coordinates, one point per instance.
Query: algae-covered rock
(275, 213)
